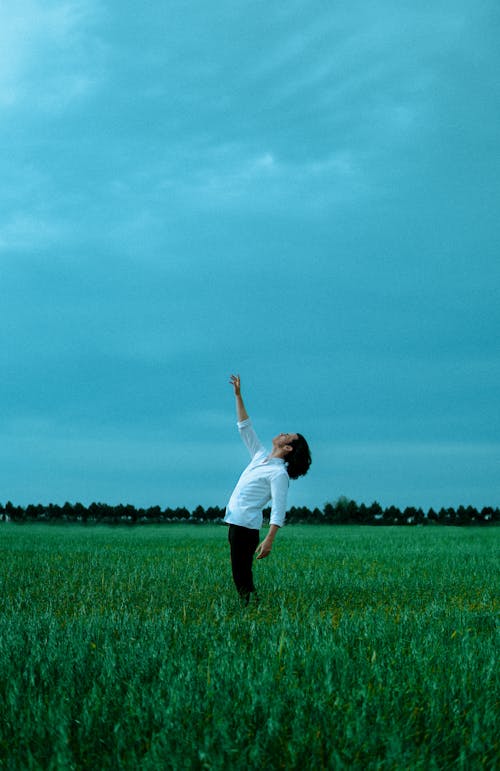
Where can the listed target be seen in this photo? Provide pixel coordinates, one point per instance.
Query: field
(126, 648)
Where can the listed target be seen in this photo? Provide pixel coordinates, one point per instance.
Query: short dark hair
(298, 459)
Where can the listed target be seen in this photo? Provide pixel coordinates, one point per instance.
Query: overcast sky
(303, 192)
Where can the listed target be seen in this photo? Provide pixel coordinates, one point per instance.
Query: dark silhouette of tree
(214, 514)
(181, 514)
(376, 512)
(343, 511)
(432, 516)
(487, 514)
(333, 515)
(392, 516)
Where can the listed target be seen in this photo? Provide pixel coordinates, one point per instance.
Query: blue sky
(306, 193)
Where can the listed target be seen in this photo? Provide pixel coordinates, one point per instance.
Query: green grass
(372, 648)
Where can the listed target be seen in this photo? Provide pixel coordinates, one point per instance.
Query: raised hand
(240, 407)
(236, 383)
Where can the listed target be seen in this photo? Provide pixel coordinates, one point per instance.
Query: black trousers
(243, 542)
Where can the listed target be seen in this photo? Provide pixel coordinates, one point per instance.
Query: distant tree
(472, 514)
(420, 517)
(54, 512)
(363, 514)
(409, 515)
(14, 513)
(68, 512)
(153, 514)
(331, 514)
(35, 512)
(392, 516)
(97, 511)
(441, 516)
(80, 512)
(343, 511)
(450, 516)
(317, 517)
(343, 508)
(299, 514)
(432, 516)
(487, 514)
(198, 514)
(376, 512)
(214, 513)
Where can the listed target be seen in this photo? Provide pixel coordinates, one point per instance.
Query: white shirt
(264, 479)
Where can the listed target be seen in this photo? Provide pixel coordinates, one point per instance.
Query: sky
(304, 193)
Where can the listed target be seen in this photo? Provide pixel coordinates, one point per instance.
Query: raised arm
(240, 407)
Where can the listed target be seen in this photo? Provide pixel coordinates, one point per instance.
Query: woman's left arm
(265, 547)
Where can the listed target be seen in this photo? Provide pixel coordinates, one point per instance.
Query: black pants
(243, 542)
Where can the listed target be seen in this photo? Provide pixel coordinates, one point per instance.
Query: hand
(263, 549)
(235, 382)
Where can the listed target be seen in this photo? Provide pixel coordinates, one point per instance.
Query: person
(265, 480)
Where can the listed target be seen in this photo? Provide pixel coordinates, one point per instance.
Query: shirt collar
(276, 461)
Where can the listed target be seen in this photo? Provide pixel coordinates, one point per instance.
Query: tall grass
(372, 648)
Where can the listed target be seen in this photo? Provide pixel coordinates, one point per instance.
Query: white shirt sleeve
(249, 437)
(279, 493)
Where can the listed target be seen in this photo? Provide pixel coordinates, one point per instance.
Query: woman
(265, 480)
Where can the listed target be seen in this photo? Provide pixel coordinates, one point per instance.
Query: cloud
(23, 232)
(350, 66)
(48, 54)
(26, 197)
(238, 176)
(309, 120)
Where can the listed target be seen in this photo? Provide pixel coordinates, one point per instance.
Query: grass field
(126, 648)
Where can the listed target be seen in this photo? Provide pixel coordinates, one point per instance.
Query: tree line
(342, 512)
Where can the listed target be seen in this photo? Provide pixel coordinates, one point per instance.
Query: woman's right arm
(247, 433)
(240, 407)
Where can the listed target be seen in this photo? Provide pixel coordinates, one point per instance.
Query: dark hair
(298, 459)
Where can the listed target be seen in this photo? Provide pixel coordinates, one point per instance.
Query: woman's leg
(243, 542)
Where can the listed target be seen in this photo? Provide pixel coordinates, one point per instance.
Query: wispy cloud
(23, 231)
(234, 176)
(338, 53)
(27, 219)
(264, 180)
(49, 55)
